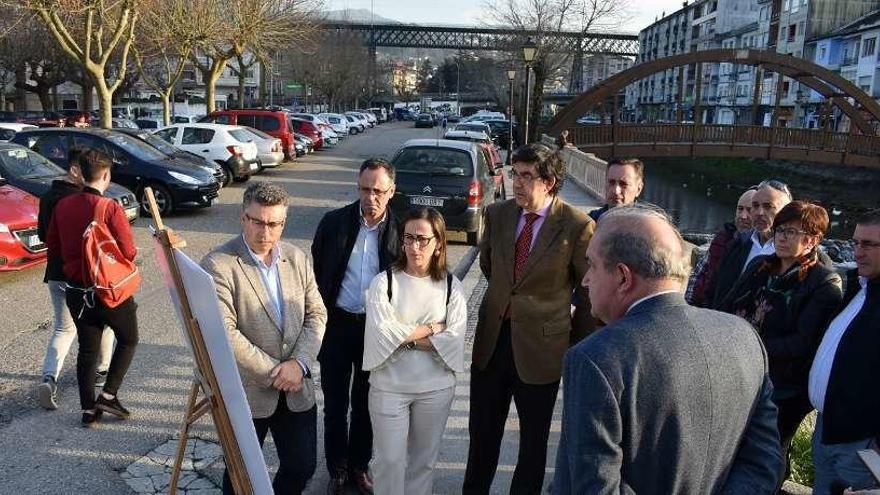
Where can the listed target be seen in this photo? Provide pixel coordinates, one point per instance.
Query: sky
(470, 12)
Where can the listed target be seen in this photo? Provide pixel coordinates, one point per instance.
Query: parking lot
(157, 383)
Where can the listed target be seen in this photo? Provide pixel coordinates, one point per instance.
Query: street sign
(292, 86)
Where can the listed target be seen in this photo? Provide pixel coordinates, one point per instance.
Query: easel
(205, 378)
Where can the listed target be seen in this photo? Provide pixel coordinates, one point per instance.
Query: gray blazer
(670, 399)
(255, 332)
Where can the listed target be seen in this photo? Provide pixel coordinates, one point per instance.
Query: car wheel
(227, 176)
(473, 238)
(243, 178)
(164, 200)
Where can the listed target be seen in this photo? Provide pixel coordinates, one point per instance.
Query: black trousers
(346, 445)
(491, 391)
(792, 412)
(90, 323)
(296, 439)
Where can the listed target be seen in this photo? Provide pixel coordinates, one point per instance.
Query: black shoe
(112, 406)
(362, 481)
(337, 483)
(101, 378)
(90, 418)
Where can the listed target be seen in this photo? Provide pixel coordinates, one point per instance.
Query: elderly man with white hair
(666, 398)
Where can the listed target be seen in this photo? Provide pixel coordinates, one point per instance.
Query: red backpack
(111, 276)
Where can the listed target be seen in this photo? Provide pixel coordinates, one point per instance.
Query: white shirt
(631, 306)
(271, 279)
(414, 301)
(363, 265)
(820, 372)
(758, 250)
(536, 226)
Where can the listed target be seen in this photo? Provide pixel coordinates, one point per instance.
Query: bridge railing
(779, 137)
(586, 169)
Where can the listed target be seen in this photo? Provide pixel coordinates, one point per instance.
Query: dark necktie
(523, 245)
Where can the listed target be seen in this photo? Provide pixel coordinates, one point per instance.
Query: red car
(20, 247)
(309, 130)
(273, 122)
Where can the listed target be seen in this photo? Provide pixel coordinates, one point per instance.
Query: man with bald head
(666, 398)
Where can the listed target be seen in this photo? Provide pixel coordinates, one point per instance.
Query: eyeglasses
(527, 177)
(419, 240)
(859, 243)
(259, 223)
(776, 184)
(368, 191)
(787, 233)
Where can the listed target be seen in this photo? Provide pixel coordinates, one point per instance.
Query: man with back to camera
(352, 245)
(532, 256)
(666, 398)
(274, 321)
(624, 181)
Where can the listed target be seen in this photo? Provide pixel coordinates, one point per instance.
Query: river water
(701, 194)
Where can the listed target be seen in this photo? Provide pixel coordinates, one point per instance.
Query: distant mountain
(358, 15)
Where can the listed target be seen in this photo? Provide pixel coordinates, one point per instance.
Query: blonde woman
(413, 346)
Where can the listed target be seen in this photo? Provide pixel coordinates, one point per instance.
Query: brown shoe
(337, 483)
(363, 482)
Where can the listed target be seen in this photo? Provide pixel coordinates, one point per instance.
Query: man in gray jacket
(667, 398)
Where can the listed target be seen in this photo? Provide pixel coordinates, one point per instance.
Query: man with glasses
(768, 199)
(624, 180)
(532, 254)
(274, 320)
(352, 245)
(842, 386)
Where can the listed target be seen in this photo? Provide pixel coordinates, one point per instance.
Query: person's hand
(424, 344)
(288, 376)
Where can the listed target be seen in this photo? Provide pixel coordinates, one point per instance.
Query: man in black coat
(624, 180)
(842, 383)
(352, 245)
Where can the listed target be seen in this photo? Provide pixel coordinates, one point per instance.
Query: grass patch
(802, 452)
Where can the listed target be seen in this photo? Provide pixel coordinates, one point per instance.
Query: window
(169, 134)
(51, 145)
(869, 46)
(822, 52)
(792, 32)
(268, 123)
(248, 120)
(197, 135)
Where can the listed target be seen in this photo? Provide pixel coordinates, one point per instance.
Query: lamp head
(529, 49)
(511, 74)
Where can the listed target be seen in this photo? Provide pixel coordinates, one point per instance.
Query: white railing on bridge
(585, 169)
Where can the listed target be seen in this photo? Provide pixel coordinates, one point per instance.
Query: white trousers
(407, 430)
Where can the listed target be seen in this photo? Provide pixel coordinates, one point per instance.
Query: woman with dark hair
(790, 298)
(413, 347)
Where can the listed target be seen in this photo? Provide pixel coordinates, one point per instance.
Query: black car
(177, 184)
(501, 131)
(31, 172)
(425, 120)
(160, 144)
(450, 176)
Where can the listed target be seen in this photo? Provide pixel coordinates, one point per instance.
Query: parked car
(229, 145)
(149, 123)
(273, 122)
(33, 173)
(42, 119)
(380, 113)
(501, 131)
(452, 176)
(175, 183)
(493, 157)
(330, 137)
(371, 117)
(123, 123)
(424, 120)
(338, 123)
(309, 130)
(165, 147)
(9, 116)
(361, 118)
(20, 246)
(8, 129)
(355, 125)
(305, 144)
(184, 119)
(268, 148)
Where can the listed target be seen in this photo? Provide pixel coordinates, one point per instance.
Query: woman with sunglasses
(413, 347)
(790, 298)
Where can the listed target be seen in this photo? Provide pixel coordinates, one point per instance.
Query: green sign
(293, 86)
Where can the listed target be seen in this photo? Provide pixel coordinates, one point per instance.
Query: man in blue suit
(666, 398)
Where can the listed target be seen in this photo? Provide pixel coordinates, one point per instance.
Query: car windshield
(26, 164)
(260, 134)
(434, 161)
(159, 143)
(135, 146)
(241, 135)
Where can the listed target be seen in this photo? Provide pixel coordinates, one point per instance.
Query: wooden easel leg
(181, 442)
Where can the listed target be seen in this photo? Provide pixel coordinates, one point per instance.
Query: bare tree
(545, 16)
(337, 68)
(244, 63)
(33, 60)
(93, 33)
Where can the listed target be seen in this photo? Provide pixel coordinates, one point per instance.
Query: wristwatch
(433, 328)
(410, 345)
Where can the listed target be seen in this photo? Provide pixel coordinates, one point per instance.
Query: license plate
(426, 201)
(253, 166)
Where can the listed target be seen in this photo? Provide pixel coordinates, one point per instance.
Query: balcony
(854, 60)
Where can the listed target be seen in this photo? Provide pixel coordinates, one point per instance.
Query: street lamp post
(457, 88)
(529, 49)
(511, 75)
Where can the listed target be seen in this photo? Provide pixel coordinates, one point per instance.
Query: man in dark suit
(841, 386)
(667, 398)
(352, 245)
(532, 255)
(624, 180)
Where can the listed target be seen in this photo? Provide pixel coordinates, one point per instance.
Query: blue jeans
(839, 464)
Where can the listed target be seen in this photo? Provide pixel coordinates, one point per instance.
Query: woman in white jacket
(413, 346)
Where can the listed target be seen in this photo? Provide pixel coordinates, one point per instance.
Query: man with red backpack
(95, 242)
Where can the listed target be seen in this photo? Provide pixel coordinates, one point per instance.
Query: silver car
(269, 149)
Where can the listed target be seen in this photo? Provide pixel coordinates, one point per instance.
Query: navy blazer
(669, 399)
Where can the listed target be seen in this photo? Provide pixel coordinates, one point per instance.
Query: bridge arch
(830, 85)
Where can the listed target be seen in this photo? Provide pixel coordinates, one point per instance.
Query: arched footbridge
(860, 146)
